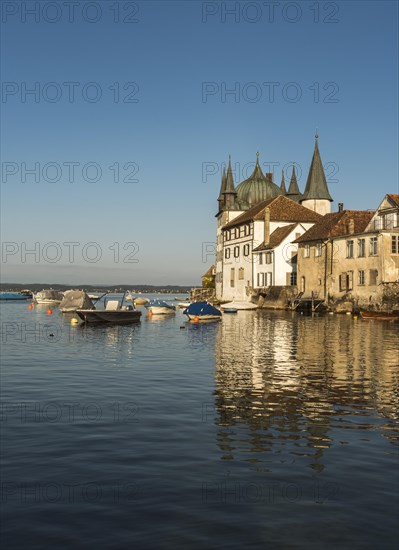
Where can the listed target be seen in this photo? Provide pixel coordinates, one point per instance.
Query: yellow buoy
(74, 321)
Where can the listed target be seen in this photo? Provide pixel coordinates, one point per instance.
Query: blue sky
(149, 100)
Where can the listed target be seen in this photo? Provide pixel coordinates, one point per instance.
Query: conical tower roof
(316, 185)
(223, 185)
(282, 186)
(293, 192)
(229, 188)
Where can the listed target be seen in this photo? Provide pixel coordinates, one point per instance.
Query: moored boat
(159, 307)
(74, 300)
(140, 301)
(239, 306)
(50, 297)
(380, 315)
(114, 312)
(202, 311)
(183, 305)
(15, 296)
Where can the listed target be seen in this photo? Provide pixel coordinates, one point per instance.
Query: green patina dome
(256, 188)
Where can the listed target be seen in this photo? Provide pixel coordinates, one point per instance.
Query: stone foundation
(203, 295)
(386, 299)
(275, 297)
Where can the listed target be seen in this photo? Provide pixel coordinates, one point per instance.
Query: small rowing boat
(380, 315)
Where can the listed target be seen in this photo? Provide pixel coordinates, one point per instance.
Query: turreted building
(236, 272)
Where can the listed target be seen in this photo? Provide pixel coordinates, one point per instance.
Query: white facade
(240, 267)
(222, 219)
(277, 266)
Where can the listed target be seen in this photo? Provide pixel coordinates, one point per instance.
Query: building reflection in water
(284, 380)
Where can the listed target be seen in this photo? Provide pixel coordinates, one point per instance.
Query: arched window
(303, 286)
(227, 253)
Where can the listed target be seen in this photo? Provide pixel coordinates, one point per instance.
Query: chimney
(269, 176)
(340, 206)
(351, 226)
(267, 226)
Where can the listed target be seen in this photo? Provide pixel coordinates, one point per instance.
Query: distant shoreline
(166, 289)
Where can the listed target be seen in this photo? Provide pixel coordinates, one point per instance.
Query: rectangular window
(349, 280)
(246, 249)
(317, 251)
(236, 251)
(373, 246)
(293, 278)
(361, 248)
(260, 258)
(349, 249)
(306, 251)
(232, 276)
(269, 279)
(361, 277)
(268, 258)
(227, 253)
(241, 274)
(373, 274)
(260, 279)
(395, 244)
(342, 282)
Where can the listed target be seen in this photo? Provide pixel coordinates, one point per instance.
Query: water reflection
(293, 385)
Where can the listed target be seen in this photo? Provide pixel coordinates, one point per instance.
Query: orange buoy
(30, 306)
(150, 313)
(49, 311)
(196, 319)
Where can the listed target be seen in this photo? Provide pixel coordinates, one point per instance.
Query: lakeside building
(257, 224)
(270, 238)
(352, 255)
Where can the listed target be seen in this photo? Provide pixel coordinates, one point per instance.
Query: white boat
(159, 307)
(140, 301)
(50, 297)
(183, 305)
(239, 305)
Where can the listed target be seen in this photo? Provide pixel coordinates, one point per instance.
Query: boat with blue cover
(202, 311)
(159, 307)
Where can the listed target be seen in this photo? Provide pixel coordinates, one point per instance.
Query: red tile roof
(276, 237)
(336, 225)
(282, 209)
(394, 198)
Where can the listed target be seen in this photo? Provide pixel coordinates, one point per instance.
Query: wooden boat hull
(101, 316)
(379, 315)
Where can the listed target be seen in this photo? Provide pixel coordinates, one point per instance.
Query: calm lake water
(266, 430)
